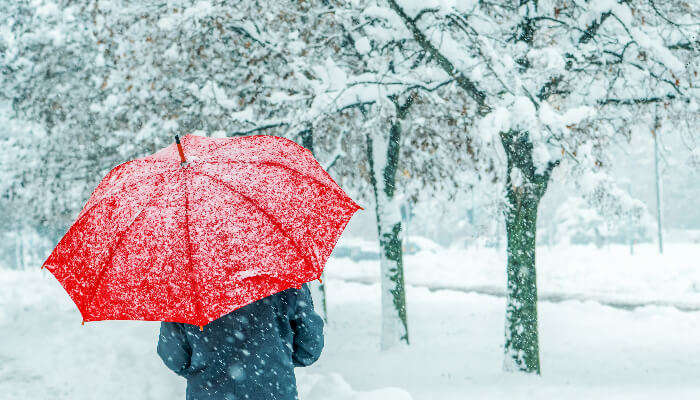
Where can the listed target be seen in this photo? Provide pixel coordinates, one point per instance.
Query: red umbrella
(188, 237)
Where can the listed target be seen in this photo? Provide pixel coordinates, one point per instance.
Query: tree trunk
(383, 157)
(317, 288)
(18, 250)
(522, 346)
(524, 190)
(655, 133)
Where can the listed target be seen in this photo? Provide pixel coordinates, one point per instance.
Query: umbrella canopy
(166, 240)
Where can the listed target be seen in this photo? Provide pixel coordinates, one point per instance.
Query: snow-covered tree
(411, 124)
(578, 222)
(48, 85)
(550, 83)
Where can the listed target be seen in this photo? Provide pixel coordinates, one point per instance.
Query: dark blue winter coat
(248, 354)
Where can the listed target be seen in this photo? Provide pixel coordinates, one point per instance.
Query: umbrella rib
(193, 281)
(307, 259)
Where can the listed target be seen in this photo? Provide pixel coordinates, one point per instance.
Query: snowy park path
(552, 297)
(610, 276)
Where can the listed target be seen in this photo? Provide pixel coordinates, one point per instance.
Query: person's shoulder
(288, 298)
(287, 294)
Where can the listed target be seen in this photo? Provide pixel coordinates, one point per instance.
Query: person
(248, 354)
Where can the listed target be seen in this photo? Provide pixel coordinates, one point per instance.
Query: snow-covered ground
(643, 345)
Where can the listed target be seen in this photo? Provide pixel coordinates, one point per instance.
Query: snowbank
(333, 386)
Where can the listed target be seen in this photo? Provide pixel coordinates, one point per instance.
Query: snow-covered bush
(578, 223)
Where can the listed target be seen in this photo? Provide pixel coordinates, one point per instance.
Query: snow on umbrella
(190, 236)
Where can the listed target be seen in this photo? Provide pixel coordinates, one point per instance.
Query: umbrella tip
(201, 328)
(183, 161)
(82, 323)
